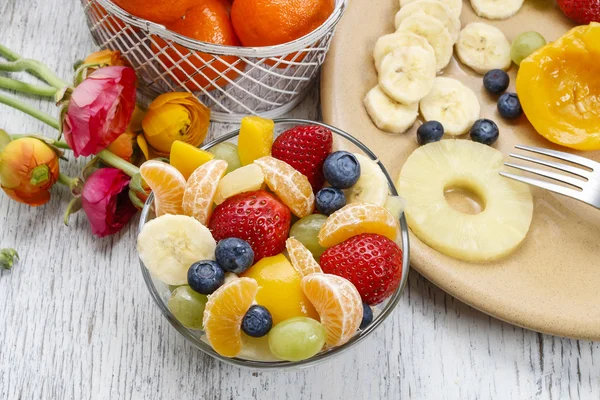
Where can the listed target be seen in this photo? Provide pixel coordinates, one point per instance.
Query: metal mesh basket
(233, 81)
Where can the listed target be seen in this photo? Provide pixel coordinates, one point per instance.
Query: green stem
(56, 143)
(117, 162)
(35, 67)
(27, 109)
(19, 86)
(67, 180)
(8, 53)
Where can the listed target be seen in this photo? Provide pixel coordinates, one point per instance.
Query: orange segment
(289, 185)
(302, 259)
(280, 291)
(167, 184)
(224, 312)
(355, 219)
(201, 188)
(187, 158)
(338, 303)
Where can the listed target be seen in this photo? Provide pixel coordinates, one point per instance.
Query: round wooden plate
(551, 283)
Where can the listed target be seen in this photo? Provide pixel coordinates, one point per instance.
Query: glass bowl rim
(324, 355)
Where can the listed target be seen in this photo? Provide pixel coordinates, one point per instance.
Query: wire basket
(233, 81)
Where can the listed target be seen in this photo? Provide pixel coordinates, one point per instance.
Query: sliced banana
(454, 5)
(496, 9)
(170, 244)
(407, 74)
(371, 187)
(452, 104)
(388, 43)
(389, 115)
(483, 47)
(436, 34)
(433, 8)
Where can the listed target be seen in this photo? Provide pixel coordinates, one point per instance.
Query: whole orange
(271, 22)
(208, 22)
(159, 11)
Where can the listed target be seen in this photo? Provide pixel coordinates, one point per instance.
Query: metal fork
(585, 188)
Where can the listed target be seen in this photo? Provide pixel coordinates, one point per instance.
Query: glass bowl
(161, 292)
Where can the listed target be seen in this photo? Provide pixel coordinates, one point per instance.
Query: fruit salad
(275, 248)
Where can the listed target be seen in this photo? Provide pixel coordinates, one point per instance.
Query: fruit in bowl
(247, 282)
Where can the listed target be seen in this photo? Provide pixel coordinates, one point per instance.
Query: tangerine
(208, 22)
(167, 184)
(159, 11)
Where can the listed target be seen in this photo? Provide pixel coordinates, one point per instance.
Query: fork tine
(566, 168)
(545, 185)
(562, 156)
(548, 174)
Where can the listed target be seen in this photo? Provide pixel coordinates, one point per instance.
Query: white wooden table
(76, 320)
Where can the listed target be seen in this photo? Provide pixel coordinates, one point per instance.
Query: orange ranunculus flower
(171, 117)
(125, 146)
(106, 58)
(28, 169)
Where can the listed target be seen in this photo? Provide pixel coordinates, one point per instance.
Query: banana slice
(434, 9)
(389, 115)
(388, 43)
(454, 5)
(407, 74)
(452, 104)
(371, 187)
(169, 244)
(436, 34)
(496, 9)
(483, 47)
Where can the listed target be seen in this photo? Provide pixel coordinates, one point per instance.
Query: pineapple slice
(492, 234)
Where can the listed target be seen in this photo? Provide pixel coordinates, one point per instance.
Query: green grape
(188, 306)
(297, 338)
(228, 152)
(306, 230)
(525, 44)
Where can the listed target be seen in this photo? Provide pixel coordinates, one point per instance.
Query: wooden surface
(540, 286)
(76, 321)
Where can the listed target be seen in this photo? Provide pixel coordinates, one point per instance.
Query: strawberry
(305, 148)
(581, 11)
(373, 263)
(257, 217)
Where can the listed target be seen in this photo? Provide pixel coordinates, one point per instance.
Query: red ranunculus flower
(100, 109)
(105, 201)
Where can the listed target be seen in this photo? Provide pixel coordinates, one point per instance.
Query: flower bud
(175, 116)
(28, 169)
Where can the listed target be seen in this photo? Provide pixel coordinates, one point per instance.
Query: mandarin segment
(167, 184)
(224, 312)
(355, 219)
(201, 189)
(338, 303)
(289, 185)
(301, 258)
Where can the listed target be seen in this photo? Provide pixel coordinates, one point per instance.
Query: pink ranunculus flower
(105, 201)
(100, 109)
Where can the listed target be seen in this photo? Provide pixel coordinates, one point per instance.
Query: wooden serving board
(551, 283)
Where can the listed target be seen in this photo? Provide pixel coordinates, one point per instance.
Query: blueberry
(484, 131)
(341, 169)
(257, 322)
(496, 81)
(367, 316)
(329, 200)
(430, 131)
(509, 106)
(234, 255)
(205, 277)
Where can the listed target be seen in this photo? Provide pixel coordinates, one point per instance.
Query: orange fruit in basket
(208, 22)
(159, 11)
(271, 22)
(338, 303)
(224, 312)
(109, 22)
(201, 189)
(167, 184)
